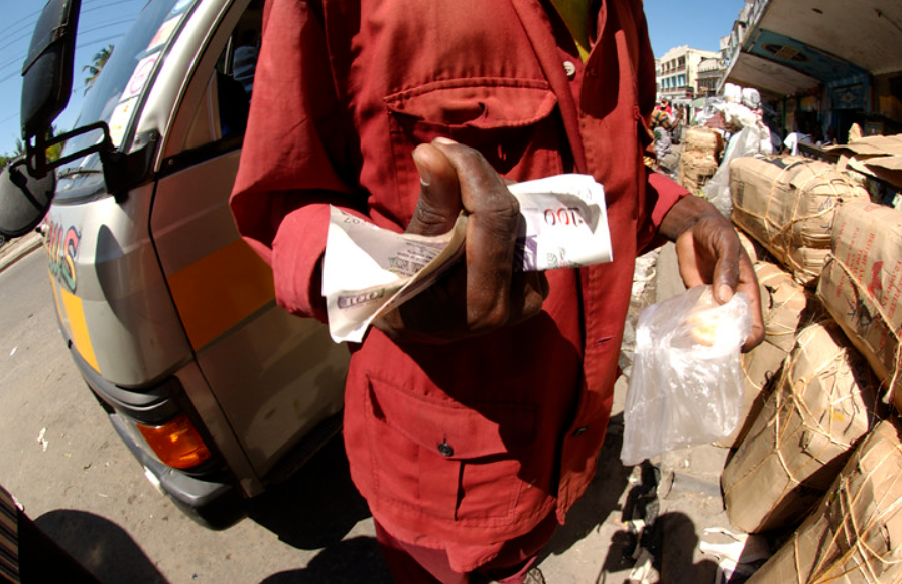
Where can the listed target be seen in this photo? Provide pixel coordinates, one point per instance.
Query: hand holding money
(413, 286)
(482, 293)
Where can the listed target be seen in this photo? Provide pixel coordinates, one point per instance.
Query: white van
(168, 314)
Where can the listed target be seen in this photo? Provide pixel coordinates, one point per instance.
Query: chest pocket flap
(482, 103)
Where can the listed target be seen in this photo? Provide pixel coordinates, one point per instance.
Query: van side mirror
(24, 199)
(48, 69)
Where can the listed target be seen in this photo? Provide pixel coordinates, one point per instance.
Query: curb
(18, 248)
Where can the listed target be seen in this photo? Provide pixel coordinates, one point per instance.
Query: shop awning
(797, 44)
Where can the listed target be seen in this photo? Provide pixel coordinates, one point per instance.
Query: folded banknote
(369, 271)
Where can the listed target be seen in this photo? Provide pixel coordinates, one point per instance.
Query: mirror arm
(116, 165)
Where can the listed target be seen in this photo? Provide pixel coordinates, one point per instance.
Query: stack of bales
(807, 451)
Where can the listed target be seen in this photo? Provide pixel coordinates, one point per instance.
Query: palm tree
(99, 60)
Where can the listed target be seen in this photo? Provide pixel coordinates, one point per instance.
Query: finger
(439, 204)
(726, 248)
(748, 283)
(492, 224)
(528, 293)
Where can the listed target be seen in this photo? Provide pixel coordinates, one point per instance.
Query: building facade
(678, 72)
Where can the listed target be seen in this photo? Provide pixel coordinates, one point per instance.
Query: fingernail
(724, 293)
(423, 171)
(443, 140)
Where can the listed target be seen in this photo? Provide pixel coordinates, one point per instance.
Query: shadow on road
(354, 561)
(100, 545)
(602, 497)
(317, 506)
(316, 509)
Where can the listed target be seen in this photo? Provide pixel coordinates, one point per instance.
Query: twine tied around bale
(769, 224)
(785, 405)
(824, 570)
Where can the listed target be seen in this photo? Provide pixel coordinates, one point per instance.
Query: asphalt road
(64, 462)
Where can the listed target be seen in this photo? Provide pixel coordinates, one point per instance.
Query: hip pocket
(445, 459)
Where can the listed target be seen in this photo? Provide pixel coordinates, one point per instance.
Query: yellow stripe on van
(217, 292)
(75, 315)
(56, 297)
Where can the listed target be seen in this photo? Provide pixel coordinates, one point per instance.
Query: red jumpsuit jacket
(458, 446)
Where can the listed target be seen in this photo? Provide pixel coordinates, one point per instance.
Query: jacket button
(569, 69)
(445, 450)
(581, 430)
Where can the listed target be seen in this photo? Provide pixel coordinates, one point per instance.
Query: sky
(102, 22)
(697, 23)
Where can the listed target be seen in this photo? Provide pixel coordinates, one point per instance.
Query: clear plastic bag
(687, 384)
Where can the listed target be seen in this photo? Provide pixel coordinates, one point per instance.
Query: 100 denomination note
(369, 271)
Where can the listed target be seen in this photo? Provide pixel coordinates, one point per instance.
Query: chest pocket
(510, 121)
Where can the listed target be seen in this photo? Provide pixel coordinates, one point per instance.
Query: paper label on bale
(862, 286)
(854, 534)
(787, 204)
(824, 402)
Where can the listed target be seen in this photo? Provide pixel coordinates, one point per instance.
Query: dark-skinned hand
(483, 292)
(709, 252)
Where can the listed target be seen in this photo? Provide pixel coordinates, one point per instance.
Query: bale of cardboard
(825, 401)
(783, 301)
(787, 204)
(704, 140)
(695, 170)
(861, 286)
(782, 304)
(760, 368)
(750, 246)
(853, 536)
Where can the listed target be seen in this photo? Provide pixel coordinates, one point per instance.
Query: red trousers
(413, 564)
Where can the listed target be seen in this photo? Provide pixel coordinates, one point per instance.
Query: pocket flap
(451, 429)
(484, 103)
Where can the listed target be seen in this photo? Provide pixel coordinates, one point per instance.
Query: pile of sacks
(818, 454)
(737, 119)
(700, 158)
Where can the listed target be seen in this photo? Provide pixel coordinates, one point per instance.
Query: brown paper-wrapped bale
(854, 535)
(749, 245)
(761, 367)
(702, 139)
(782, 304)
(824, 403)
(695, 169)
(787, 204)
(861, 286)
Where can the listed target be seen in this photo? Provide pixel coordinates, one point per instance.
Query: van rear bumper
(210, 495)
(215, 504)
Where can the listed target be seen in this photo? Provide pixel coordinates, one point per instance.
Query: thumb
(440, 201)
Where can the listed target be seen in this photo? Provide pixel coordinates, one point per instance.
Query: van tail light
(176, 443)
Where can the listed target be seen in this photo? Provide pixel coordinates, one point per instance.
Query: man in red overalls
(474, 413)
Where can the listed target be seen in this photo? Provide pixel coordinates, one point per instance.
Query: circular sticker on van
(140, 76)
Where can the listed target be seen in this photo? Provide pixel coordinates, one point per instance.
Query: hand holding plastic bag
(687, 383)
